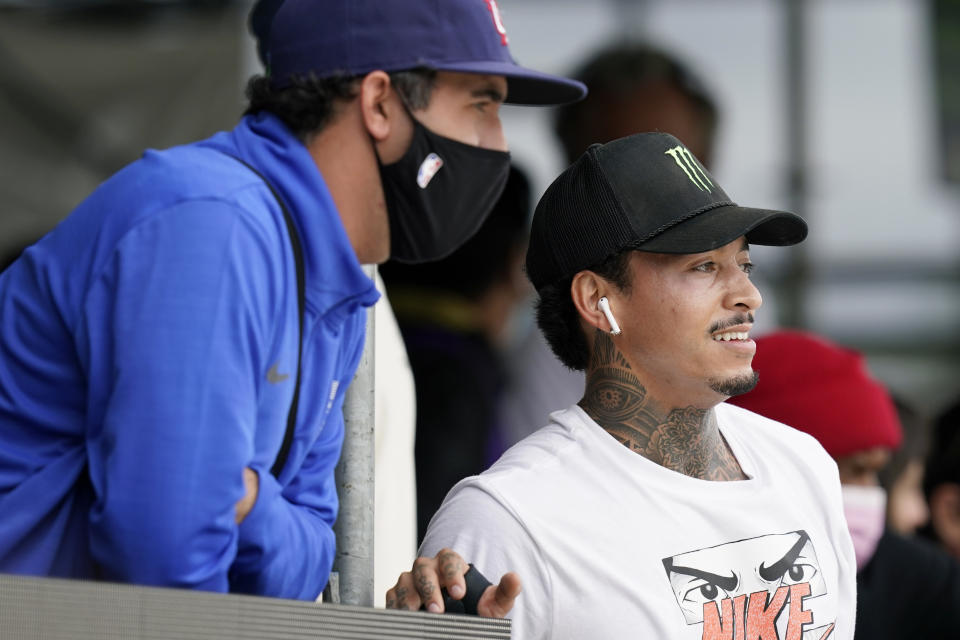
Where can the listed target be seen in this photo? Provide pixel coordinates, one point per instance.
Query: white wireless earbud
(604, 305)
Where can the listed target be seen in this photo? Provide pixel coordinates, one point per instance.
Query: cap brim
(524, 86)
(721, 226)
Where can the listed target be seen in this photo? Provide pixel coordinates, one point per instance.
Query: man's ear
(384, 116)
(586, 290)
(376, 99)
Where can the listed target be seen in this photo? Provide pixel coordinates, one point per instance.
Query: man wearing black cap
(174, 355)
(650, 509)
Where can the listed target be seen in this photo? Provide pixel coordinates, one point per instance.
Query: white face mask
(865, 508)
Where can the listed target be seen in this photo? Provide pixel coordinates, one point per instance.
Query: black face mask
(439, 193)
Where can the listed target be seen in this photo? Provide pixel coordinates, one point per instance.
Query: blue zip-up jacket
(148, 353)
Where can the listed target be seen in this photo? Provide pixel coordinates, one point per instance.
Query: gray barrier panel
(52, 609)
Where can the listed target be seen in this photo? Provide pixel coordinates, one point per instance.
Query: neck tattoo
(686, 440)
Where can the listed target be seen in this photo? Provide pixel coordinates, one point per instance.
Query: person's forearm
(285, 549)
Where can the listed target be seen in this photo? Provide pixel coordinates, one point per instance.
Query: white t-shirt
(611, 545)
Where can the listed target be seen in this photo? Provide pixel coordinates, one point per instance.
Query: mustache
(720, 325)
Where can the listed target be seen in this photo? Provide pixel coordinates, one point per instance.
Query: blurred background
(846, 111)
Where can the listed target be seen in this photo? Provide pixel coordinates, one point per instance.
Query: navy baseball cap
(645, 192)
(354, 37)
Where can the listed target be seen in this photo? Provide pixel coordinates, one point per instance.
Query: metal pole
(354, 477)
(793, 292)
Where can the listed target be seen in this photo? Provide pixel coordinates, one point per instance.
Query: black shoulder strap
(301, 297)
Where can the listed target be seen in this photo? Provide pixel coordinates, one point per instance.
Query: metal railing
(54, 609)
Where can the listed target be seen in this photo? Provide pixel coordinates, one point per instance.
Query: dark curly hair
(307, 103)
(559, 320)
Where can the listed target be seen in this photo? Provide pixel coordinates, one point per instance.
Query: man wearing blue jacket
(152, 345)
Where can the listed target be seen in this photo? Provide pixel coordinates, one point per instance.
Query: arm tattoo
(686, 440)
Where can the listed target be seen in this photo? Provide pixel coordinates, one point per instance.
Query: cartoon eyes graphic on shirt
(798, 573)
(702, 586)
(704, 592)
(752, 582)
(701, 591)
(710, 591)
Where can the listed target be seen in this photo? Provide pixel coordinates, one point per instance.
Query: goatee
(736, 385)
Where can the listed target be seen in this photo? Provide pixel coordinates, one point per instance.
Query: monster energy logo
(686, 161)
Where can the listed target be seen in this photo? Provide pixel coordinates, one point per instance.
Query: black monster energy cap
(644, 192)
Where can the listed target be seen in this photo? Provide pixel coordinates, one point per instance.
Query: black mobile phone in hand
(476, 584)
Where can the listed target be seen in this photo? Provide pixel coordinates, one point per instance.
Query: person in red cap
(905, 588)
(174, 355)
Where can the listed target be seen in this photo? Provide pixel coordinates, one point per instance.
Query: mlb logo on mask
(428, 168)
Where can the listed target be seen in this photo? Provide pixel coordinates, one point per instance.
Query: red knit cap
(824, 390)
